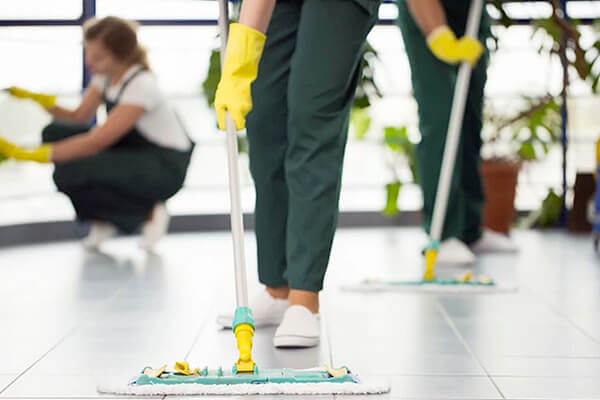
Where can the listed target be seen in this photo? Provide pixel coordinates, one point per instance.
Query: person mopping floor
(297, 129)
(240, 60)
(119, 174)
(430, 29)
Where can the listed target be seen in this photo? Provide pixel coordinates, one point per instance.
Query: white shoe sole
(293, 341)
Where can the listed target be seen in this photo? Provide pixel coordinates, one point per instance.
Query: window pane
(41, 9)
(158, 9)
(47, 59)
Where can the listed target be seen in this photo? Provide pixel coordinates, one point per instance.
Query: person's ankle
(150, 215)
(281, 292)
(305, 298)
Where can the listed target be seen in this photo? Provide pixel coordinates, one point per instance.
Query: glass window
(45, 59)
(49, 59)
(158, 9)
(42, 58)
(583, 9)
(41, 9)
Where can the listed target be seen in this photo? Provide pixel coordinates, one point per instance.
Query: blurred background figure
(430, 29)
(119, 174)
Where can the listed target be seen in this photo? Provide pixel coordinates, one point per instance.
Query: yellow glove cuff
(243, 38)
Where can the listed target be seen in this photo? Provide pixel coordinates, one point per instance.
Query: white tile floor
(68, 317)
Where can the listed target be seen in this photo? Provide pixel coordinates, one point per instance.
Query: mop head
(315, 381)
(465, 284)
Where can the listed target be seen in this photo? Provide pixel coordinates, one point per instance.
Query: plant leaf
(527, 152)
(550, 210)
(209, 86)
(242, 143)
(392, 193)
(361, 121)
(396, 138)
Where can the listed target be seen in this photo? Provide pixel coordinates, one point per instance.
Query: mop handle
(237, 222)
(454, 128)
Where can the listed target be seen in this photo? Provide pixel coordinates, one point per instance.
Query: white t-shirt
(159, 124)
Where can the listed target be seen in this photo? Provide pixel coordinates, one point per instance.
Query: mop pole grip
(237, 223)
(243, 325)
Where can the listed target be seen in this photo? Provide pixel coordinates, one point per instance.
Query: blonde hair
(120, 38)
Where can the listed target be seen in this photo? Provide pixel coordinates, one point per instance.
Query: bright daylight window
(50, 59)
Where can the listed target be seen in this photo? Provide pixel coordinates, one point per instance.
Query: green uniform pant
(433, 84)
(297, 133)
(117, 185)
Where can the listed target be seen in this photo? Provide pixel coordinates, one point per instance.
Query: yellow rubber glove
(45, 100)
(41, 154)
(244, 49)
(444, 45)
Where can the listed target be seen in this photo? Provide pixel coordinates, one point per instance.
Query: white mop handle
(461, 92)
(237, 222)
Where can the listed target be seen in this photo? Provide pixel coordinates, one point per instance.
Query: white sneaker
(299, 328)
(266, 310)
(454, 251)
(155, 228)
(494, 242)
(99, 233)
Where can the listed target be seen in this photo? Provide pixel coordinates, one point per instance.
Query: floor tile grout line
(58, 343)
(73, 329)
(201, 329)
(327, 335)
(461, 338)
(556, 311)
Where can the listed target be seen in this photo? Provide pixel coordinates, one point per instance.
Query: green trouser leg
(59, 130)
(297, 133)
(120, 186)
(433, 85)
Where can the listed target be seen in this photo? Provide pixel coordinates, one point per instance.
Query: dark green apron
(121, 184)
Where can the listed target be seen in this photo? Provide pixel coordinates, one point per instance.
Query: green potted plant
(531, 132)
(526, 136)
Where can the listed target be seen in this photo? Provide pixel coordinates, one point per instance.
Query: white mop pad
(374, 285)
(370, 386)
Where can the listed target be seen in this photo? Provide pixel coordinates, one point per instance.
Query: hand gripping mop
(245, 378)
(461, 91)
(467, 282)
